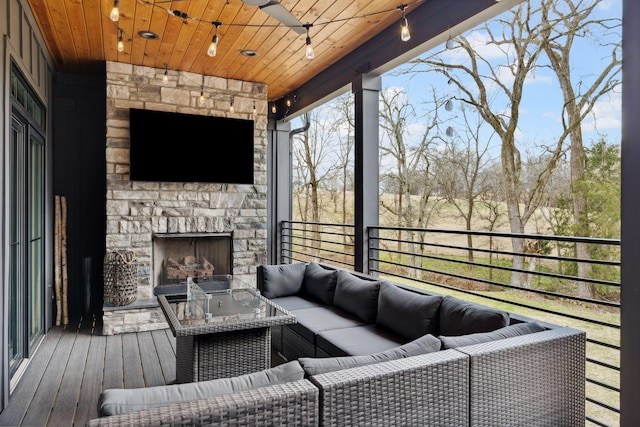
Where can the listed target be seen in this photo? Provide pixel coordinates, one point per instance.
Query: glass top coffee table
(222, 333)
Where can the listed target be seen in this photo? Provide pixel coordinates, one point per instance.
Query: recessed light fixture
(149, 35)
(248, 52)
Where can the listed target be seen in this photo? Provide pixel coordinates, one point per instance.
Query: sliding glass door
(26, 216)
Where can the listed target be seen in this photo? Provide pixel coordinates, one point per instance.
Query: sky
(540, 120)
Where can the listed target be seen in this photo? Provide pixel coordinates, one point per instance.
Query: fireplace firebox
(207, 258)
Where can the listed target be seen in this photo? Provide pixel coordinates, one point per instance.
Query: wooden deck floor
(73, 365)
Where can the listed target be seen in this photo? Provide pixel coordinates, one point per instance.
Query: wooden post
(58, 274)
(63, 264)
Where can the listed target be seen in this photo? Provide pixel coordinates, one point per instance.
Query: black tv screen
(176, 147)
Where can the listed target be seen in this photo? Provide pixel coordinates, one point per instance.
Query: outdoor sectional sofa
(366, 351)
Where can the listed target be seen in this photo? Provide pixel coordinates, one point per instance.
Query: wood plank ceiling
(81, 36)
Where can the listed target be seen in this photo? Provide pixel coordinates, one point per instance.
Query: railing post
(366, 89)
(279, 168)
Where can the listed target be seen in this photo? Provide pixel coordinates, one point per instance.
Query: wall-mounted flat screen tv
(176, 147)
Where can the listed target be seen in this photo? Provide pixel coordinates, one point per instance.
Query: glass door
(26, 216)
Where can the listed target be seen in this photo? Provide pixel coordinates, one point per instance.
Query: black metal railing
(546, 281)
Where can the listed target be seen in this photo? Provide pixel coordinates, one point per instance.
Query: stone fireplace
(229, 219)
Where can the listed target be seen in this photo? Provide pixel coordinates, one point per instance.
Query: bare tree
(409, 170)
(562, 23)
(479, 82)
(460, 166)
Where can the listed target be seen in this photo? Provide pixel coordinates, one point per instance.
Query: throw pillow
(124, 401)
(510, 331)
(282, 280)
(423, 345)
(357, 296)
(407, 313)
(320, 283)
(459, 317)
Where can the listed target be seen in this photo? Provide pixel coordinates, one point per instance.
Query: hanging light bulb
(201, 98)
(449, 131)
(309, 53)
(120, 42)
(165, 77)
(273, 108)
(404, 28)
(115, 12)
(450, 43)
(231, 109)
(448, 105)
(254, 108)
(213, 47)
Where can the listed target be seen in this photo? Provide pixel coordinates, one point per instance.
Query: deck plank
(66, 401)
(44, 398)
(113, 369)
(150, 362)
(92, 380)
(15, 412)
(133, 376)
(165, 346)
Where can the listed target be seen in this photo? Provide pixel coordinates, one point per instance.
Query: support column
(279, 166)
(366, 89)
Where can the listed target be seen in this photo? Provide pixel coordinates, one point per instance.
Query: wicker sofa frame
(536, 379)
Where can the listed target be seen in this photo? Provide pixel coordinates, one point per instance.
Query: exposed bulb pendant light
(213, 47)
(450, 43)
(120, 42)
(115, 12)
(165, 77)
(273, 108)
(404, 27)
(201, 98)
(254, 108)
(309, 53)
(231, 110)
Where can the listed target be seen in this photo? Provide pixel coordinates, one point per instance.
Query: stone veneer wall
(137, 210)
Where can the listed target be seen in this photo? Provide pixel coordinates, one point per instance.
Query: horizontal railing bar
(499, 267)
(603, 364)
(301, 245)
(601, 424)
(604, 344)
(603, 385)
(311, 239)
(603, 405)
(593, 240)
(495, 251)
(544, 310)
(330, 233)
(290, 258)
(504, 285)
(328, 224)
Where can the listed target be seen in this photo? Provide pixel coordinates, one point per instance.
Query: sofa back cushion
(320, 365)
(282, 280)
(320, 283)
(357, 296)
(510, 331)
(407, 313)
(459, 317)
(124, 401)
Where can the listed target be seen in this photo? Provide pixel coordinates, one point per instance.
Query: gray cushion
(407, 313)
(422, 345)
(357, 340)
(282, 280)
(296, 302)
(482, 337)
(310, 321)
(459, 317)
(320, 283)
(357, 296)
(122, 401)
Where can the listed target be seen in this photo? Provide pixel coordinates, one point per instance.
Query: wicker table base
(222, 355)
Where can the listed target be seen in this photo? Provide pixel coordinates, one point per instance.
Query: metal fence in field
(544, 280)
